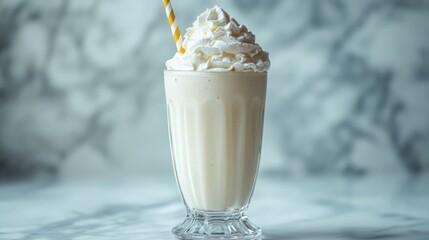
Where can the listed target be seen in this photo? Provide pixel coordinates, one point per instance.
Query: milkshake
(215, 121)
(215, 95)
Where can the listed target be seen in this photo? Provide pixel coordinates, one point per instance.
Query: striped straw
(173, 25)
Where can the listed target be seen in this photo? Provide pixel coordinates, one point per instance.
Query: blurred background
(81, 86)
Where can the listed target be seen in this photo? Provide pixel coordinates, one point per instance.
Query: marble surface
(81, 87)
(326, 207)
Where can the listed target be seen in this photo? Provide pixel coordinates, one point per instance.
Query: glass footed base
(232, 224)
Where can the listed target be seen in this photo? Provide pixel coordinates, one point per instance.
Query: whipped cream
(217, 42)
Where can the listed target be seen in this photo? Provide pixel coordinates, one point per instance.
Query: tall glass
(215, 122)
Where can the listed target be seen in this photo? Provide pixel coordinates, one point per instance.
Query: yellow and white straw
(173, 25)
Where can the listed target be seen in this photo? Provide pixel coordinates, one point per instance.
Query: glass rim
(187, 72)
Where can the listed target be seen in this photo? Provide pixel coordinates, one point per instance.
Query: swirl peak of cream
(217, 42)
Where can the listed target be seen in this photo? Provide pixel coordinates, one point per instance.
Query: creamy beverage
(215, 95)
(215, 121)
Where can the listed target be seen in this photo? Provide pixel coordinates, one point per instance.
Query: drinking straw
(173, 25)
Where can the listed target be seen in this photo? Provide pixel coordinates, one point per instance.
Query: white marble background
(81, 91)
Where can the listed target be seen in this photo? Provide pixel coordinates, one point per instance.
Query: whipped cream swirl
(217, 42)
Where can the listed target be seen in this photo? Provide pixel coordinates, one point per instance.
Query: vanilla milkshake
(215, 121)
(215, 95)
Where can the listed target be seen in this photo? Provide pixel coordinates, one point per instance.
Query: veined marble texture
(81, 85)
(321, 208)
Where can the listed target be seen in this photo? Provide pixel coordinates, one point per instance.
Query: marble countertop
(334, 207)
